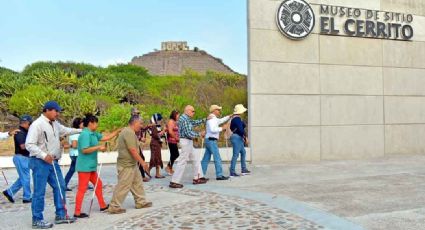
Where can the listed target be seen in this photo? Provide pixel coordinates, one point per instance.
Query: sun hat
(239, 109)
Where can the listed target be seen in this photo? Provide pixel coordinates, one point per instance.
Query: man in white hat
(211, 138)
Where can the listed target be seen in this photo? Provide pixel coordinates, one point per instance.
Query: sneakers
(245, 172)
(116, 210)
(64, 220)
(82, 215)
(8, 197)
(105, 208)
(27, 201)
(232, 174)
(175, 185)
(200, 181)
(41, 224)
(144, 205)
(223, 178)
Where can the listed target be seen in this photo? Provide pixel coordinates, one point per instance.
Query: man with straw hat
(211, 138)
(238, 139)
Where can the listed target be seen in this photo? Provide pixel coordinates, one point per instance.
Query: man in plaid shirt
(187, 134)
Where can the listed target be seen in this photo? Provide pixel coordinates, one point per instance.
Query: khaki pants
(129, 180)
(187, 153)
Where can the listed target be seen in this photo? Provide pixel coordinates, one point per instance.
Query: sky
(111, 31)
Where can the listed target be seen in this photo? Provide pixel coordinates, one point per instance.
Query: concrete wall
(335, 97)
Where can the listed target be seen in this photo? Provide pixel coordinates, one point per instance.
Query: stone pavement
(373, 194)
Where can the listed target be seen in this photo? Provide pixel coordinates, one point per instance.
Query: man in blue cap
(21, 161)
(43, 143)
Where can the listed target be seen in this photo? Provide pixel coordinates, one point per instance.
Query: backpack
(228, 133)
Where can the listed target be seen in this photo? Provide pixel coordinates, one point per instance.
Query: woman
(156, 133)
(173, 139)
(88, 146)
(77, 123)
(238, 139)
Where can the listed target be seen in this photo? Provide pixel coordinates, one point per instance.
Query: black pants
(142, 171)
(174, 154)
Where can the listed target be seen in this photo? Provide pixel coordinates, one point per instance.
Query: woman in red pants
(88, 146)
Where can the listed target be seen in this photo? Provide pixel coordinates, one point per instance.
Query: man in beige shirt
(129, 178)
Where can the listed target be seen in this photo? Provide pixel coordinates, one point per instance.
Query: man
(21, 161)
(45, 150)
(187, 134)
(129, 178)
(211, 138)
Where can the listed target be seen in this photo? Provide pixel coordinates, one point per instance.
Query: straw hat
(239, 109)
(215, 107)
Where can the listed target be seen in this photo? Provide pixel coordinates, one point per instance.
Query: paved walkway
(374, 194)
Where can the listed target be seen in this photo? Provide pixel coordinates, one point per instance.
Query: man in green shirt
(129, 178)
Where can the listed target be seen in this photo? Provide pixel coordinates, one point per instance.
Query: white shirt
(43, 138)
(4, 136)
(213, 126)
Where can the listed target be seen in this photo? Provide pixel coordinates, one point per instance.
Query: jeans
(44, 174)
(71, 170)
(22, 166)
(212, 149)
(238, 147)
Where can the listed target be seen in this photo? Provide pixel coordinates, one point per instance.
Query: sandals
(175, 185)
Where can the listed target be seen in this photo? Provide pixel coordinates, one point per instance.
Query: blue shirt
(73, 152)
(237, 126)
(19, 139)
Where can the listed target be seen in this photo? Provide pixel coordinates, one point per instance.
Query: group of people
(38, 148)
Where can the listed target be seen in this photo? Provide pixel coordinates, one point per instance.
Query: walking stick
(57, 181)
(7, 183)
(141, 153)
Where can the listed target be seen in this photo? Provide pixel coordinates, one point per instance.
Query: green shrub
(31, 99)
(115, 117)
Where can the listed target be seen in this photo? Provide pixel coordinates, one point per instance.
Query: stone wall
(335, 97)
(176, 62)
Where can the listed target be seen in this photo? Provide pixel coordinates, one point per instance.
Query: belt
(54, 158)
(212, 139)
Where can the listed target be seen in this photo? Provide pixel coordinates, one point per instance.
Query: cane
(7, 183)
(57, 181)
(97, 181)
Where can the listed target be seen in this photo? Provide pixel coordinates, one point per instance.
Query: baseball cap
(25, 118)
(52, 105)
(215, 107)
